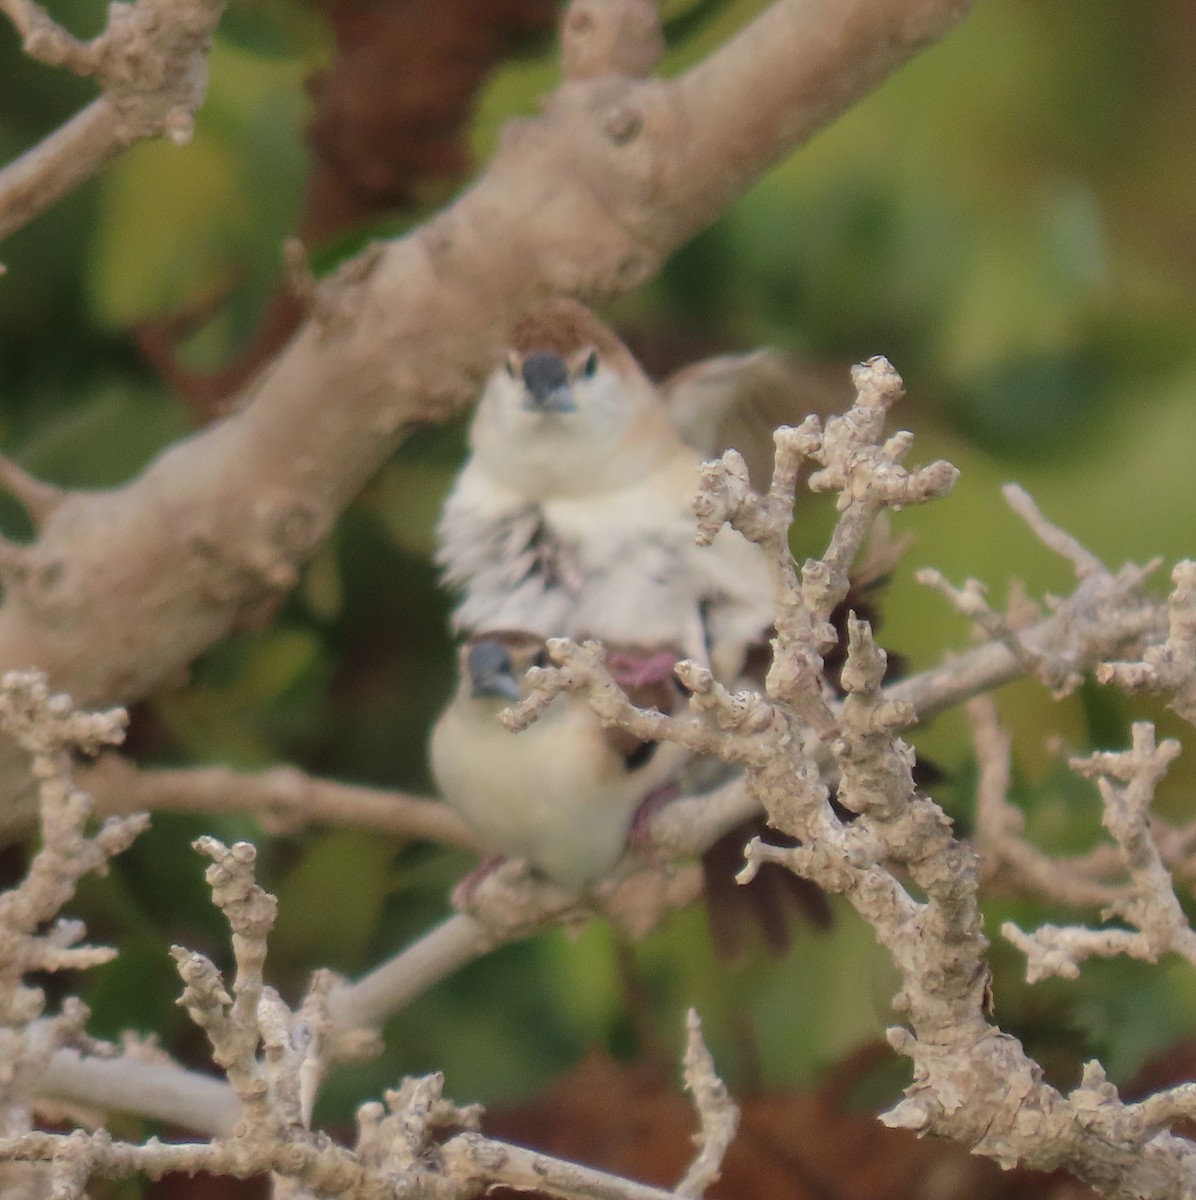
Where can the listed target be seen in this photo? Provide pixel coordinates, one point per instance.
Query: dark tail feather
(765, 907)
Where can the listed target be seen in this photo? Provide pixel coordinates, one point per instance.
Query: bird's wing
(737, 400)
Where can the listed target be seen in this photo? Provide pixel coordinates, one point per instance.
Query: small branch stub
(718, 1115)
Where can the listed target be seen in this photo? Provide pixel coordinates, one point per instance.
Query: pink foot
(463, 893)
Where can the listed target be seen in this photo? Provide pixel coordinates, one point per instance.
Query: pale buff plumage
(572, 516)
(562, 794)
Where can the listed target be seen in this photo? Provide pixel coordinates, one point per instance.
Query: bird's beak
(547, 384)
(491, 676)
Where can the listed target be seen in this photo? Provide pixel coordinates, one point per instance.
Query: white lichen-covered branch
(1108, 611)
(1147, 902)
(33, 937)
(274, 1058)
(972, 1082)
(1171, 666)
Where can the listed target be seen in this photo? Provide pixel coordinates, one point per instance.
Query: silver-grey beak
(547, 384)
(491, 676)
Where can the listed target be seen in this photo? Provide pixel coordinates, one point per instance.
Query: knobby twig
(1105, 612)
(972, 1083)
(151, 64)
(414, 1143)
(1170, 667)
(1005, 858)
(1127, 782)
(33, 937)
(718, 1115)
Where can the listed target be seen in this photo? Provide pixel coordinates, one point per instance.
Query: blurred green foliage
(1009, 220)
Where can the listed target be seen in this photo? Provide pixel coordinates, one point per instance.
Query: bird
(572, 518)
(572, 514)
(561, 795)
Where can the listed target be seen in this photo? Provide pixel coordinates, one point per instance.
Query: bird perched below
(563, 793)
(572, 516)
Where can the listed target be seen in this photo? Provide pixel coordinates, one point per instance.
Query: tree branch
(284, 799)
(124, 588)
(151, 62)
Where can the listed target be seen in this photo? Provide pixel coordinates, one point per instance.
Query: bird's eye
(590, 367)
(541, 659)
(512, 365)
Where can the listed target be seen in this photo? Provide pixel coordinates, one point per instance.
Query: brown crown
(561, 326)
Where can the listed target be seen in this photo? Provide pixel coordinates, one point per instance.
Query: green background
(1010, 220)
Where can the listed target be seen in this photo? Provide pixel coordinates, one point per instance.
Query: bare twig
(1127, 782)
(284, 799)
(972, 1082)
(33, 937)
(151, 62)
(1170, 667)
(1004, 855)
(718, 1115)
(473, 1163)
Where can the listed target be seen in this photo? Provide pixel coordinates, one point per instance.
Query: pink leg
(463, 893)
(650, 805)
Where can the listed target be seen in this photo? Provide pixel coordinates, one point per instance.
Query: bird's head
(493, 666)
(568, 410)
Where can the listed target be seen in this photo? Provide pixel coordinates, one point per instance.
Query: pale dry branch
(285, 800)
(151, 63)
(33, 937)
(1106, 611)
(848, 452)
(233, 1022)
(718, 1115)
(1100, 600)
(1170, 667)
(1127, 782)
(49, 728)
(972, 1083)
(583, 669)
(507, 905)
(395, 983)
(474, 1163)
(970, 601)
(397, 1135)
(1050, 535)
(124, 588)
(273, 1057)
(1005, 857)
